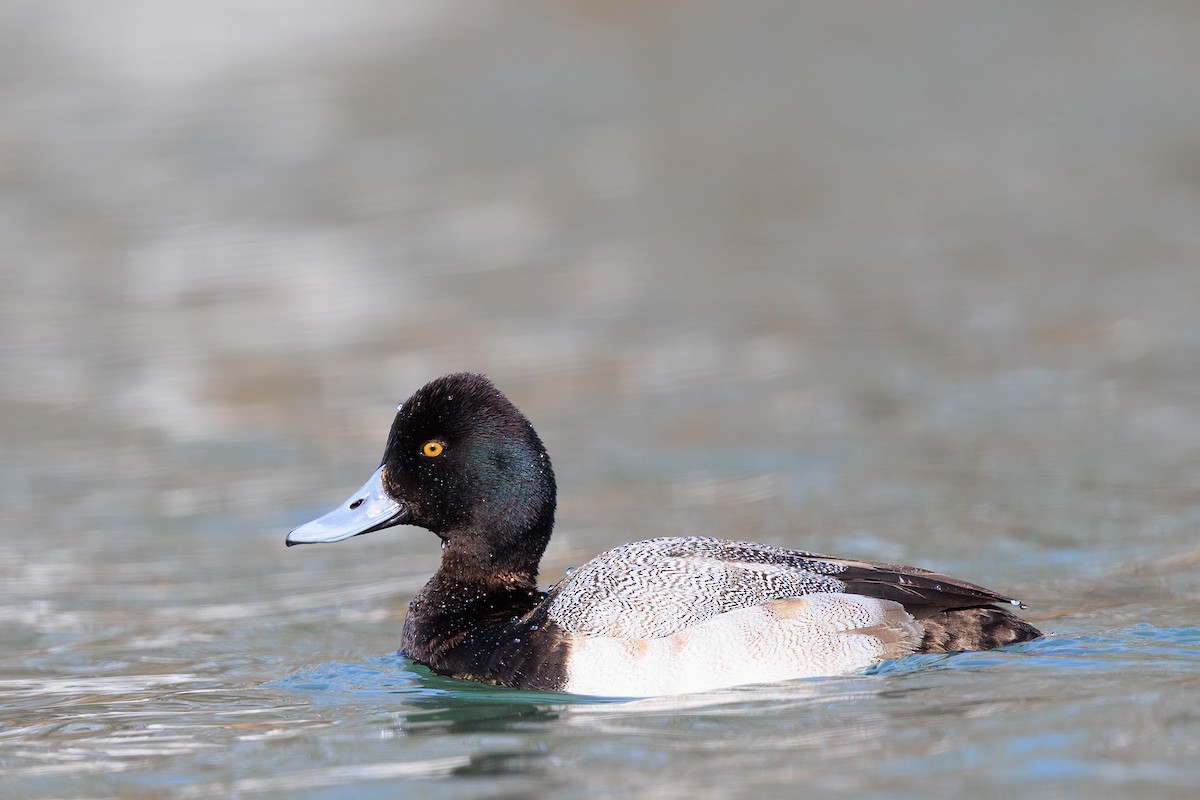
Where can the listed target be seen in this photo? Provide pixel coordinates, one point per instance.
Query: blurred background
(909, 281)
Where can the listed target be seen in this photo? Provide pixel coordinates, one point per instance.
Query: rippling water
(913, 284)
(985, 723)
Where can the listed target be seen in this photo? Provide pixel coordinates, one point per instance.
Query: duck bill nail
(368, 509)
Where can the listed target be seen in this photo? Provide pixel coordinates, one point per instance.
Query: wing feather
(658, 587)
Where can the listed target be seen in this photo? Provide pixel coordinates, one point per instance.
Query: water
(914, 284)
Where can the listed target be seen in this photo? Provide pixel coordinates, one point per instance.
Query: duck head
(464, 463)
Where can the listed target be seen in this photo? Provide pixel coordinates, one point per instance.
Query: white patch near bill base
(798, 637)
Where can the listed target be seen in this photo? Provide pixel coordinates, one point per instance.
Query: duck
(663, 616)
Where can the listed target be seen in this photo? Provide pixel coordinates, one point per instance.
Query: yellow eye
(432, 448)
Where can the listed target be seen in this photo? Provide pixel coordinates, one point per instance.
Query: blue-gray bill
(368, 509)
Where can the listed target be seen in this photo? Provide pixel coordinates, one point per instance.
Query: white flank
(800, 637)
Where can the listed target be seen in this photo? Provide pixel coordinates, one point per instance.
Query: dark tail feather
(910, 586)
(980, 628)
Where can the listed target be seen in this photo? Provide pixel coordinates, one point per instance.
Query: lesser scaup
(662, 616)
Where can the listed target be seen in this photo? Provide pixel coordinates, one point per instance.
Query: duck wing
(659, 587)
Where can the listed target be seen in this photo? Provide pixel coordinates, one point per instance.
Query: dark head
(463, 462)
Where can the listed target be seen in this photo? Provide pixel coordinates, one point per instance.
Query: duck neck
(482, 586)
(501, 557)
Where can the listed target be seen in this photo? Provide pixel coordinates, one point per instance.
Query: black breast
(501, 637)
